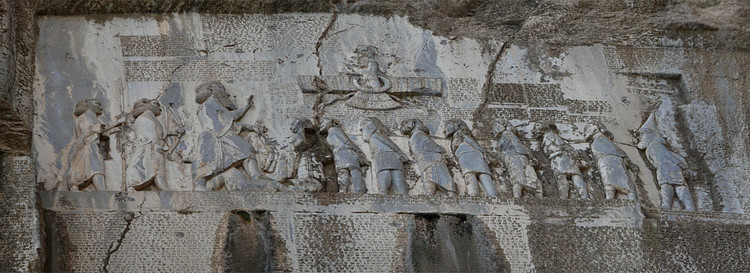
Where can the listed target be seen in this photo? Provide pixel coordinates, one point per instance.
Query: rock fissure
(319, 104)
(115, 246)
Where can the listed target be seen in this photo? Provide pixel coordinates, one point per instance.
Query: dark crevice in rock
(319, 104)
(452, 243)
(114, 246)
(252, 244)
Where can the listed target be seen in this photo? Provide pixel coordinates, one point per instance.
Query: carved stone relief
(366, 85)
(565, 163)
(146, 163)
(472, 158)
(350, 161)
(615, 167)
(87, 160)
(220, 151)
(312, 157)
(516, 158)
(387, 158)
(432, 159)
(168, 115)
(670, 166)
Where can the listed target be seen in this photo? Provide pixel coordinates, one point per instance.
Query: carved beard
(226, 102)
(223, 100)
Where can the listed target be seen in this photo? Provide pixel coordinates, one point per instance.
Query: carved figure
(565, 164)
(431, 158)
(266, 152)
(219, 147)
(366, 86)
(388, 159)
(312, 156)
(146, 163)
(614, 165)
(370, 85)
(87, 162)
(669, 166)
(472, 159)
(349, 160)
(517, 159)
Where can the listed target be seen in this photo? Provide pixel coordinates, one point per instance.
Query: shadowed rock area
(251, 244)
(453, 243)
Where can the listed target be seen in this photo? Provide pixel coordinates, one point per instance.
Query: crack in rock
(317, 109)
(488, 78)
(115, 246)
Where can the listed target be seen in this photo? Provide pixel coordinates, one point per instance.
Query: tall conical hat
(650, 125)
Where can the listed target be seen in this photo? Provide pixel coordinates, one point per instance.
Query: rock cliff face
(280, 136)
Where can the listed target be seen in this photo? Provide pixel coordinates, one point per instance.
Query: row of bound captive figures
(222, 158)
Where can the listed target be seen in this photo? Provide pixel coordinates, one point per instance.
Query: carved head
(88, 105)
(364, 57)
(367, 51)
(371, 125)
(646, 138)
(300, 125)
(327, 124)
(217, 90)
(261, 127)
(649, 133)
(410, 125)
(498, 127)
(143, 105)
(455, 125)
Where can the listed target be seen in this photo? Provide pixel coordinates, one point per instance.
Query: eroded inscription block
(507, 93)
(542, 102)
(347, 243)
(511, 235)
(157, 46)
(253, 33)
(199, 70)
(464, 92)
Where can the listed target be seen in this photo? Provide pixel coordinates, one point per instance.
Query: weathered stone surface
(571, 63)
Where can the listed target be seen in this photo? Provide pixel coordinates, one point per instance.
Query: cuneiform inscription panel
(157, 46)
(350, 243)
(262, 33)
(511, 234)
(199, 70)
(542, 102)
(464, 91)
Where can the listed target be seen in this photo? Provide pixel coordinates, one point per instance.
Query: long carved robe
(386, 154)
(346, 155)
(147, 159)
(515, 155)
(431, 160)
(560, 155)
(219, 145)
(471, 157)
(611, 162)
(86, 160)
(669, 165)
